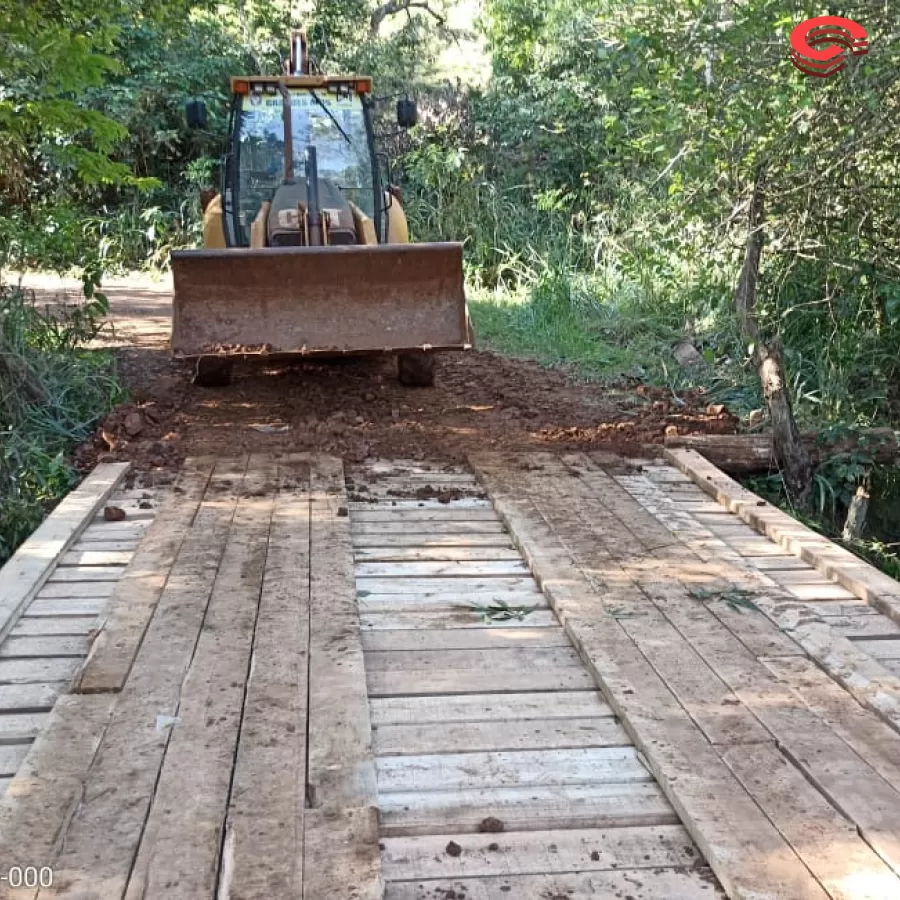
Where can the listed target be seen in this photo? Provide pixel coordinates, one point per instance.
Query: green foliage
(52, 391)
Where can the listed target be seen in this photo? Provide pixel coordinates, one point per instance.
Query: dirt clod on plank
(491, 825)
(453, 849)
(114, 514)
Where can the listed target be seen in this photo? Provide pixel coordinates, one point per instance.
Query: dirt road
(356, 408)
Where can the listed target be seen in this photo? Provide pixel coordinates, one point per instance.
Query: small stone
(453, 849)
(134, 424)
(342, 512)
(672, 430)
(113, 514)
(494, 848)
(595, 856)
(491, 825)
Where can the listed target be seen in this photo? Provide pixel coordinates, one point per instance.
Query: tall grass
(52, 392)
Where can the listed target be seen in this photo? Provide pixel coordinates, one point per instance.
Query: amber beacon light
(837, 34)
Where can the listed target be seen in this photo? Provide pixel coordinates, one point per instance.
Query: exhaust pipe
(316, 238)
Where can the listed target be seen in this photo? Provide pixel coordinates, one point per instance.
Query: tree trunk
(790, 453)
(856, 515)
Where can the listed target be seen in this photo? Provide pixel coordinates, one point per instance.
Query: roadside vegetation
(641, 197)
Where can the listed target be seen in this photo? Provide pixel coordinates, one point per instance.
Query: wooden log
(747, 454)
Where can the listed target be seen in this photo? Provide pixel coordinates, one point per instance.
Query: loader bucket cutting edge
(318, 301)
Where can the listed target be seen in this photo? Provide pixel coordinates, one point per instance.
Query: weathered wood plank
(820, 835)
(529, 734)
(74, 590)
(79, 557)
(114, 531)
(489, 662)
(135, 596)
(263, 849)
(487, 708)
(23, 671)
(29, 626)
(33, 563)
(480, 570)
(86, 573)
(747, 853)
(434, 554)
(53, 645)
(11, 757)
(76, 607)
(100, 841)
(48, 787)
(397, 528)
(179, 850)
(532, 808)
(818, 591)
(461, 616)
(426, 587)
(407, 505)
(473, 609)
(107, 546)
(859, 627)
(884, 649)
(21, 726)
(538, 852)
(35, 697)
(443, 542)
(415, 682)
(639, 884)
(387, 513)
(519, 768)
(341, 768)
(463, 639)
(782, 563)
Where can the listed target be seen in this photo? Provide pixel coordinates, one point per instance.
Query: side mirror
(407, 114)
(195, 113)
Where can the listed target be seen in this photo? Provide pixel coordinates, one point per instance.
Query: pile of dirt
(357, 409)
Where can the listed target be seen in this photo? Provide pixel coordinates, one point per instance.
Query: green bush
(52, 392)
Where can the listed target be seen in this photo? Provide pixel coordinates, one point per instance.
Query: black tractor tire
(212, 372)
(416, 369)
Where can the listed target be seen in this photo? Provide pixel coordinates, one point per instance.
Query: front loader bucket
(319, 300)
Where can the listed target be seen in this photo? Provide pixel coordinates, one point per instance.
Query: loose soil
(356, 408)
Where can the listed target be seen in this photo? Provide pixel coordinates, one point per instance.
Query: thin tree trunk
(790, 453)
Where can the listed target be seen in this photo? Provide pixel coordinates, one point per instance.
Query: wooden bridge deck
(555, 684)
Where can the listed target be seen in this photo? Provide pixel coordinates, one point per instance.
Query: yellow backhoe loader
(306, 250)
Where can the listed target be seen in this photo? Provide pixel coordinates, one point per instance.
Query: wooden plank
(114, 531)
(86, 573)
(874, 741)
(638, 884)
(884, 649)
(469, 607)
(402, 527)
(425, 541)
(426, 587)
(79, 557)
(29, 626)
(820, 835)
(404, 515)
(528, 734)
(532, 808)
(538, 852)
(415, 682)
(11, 757)
(448, 618)
(32, 564)
(463, 639)
(341, 858)
(406, 505)
(21, 726)
(781, 563)
(416, 554)
(819, 592)
(753, 546)
(135, 596)
(747, 853)
(101, 839)
(76, 607)
(520, 768)
(107, 546)
(341, 771)
(487, 708)
(74, 590)
(860, 578)
(180, 846)
(266, 809)
(23, 671)
(859, 627)
(35, 697)
(494, 660)
(48, 786)
(50, 646)
(479, 570)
